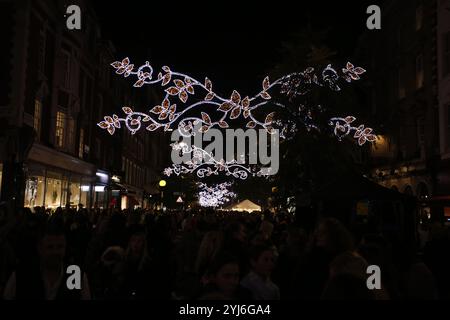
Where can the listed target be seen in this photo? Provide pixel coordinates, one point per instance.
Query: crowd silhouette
(210, 255)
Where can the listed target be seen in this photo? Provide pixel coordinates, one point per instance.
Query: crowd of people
(210, 255)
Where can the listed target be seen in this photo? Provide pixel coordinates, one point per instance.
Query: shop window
(34, 191)
(60, 127)
(37, 118)
(81, 144)
(419, 71)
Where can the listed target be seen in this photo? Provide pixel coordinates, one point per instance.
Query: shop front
(55, 179)
(132, 198)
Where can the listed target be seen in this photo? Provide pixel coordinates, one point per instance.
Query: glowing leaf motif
(103, 125)
(236, 112)
(172, 91)
(183, 96)
(251, 124)
(209, 96)
(166, 79)
(235, 97)
(245, 102)
(139, 83)
(127, 110)
(225, 107)
(109, 119)
(190, 89)
(266, 83)
(166, 103)
(206, 118)
(350, 119)
(156, 110)
(265, 95)
(361, 140)
(269, 118)
(208, 84)
(179, 83)
(223, 124)
(204, 129)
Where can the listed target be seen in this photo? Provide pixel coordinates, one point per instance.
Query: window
(41, 51)
(419, 17)
(65, 69)
(401, 83)
(446, 57)
(419, 71)
(81, 144)
(71, 134)
(37, 118)
(420, 131)
(60, 127)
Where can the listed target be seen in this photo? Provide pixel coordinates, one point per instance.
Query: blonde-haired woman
(209, 247)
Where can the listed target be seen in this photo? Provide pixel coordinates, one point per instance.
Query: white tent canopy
(245, 205)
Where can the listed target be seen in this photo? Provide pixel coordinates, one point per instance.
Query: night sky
(233, 45)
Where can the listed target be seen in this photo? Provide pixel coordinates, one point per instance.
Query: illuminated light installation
(204, 164)
(181, 86)
(343, 127)
(216, 195)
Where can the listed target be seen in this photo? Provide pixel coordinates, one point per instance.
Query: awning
(245, 205)
(118, 186)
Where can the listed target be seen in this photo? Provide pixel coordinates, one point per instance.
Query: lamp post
(162, 184)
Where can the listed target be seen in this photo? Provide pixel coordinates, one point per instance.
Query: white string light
(181, 86)
(216, 195)
(204, 164)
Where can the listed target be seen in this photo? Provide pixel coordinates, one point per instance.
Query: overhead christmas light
(204, 164)
(215, 195)
(179, 86)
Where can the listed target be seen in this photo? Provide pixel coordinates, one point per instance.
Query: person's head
(52, 247)
(349, 263)
(136, 242)
(223, 272)
(333, 236)
(266, 228)
(347, 287)
(236, 230)
(262, 260)
(209, 247)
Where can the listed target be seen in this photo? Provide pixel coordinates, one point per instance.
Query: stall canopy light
(102, 175)
(99, 188)
(85, 188)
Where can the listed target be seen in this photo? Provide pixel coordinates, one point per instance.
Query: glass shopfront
(52, 189)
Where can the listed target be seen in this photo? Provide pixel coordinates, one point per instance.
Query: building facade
(407, 60)
(59, 85)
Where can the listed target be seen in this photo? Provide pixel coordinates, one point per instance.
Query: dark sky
(232, 44)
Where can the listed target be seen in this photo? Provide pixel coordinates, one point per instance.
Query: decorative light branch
(215, 195)
(204, 164)
(181, 86)
(343, 127)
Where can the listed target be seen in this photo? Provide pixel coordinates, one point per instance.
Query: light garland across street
(172, 114)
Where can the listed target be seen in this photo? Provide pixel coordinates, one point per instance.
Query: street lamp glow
(162, 183)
